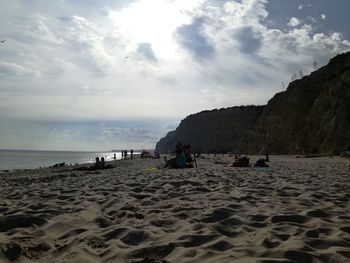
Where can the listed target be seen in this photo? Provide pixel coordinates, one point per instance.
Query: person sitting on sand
(189, 159)
(188, 153)
(262, 162)
(144, 154)
(98, 163)
(179, 161)
(182, 157)
(241, 162)
(157, 155)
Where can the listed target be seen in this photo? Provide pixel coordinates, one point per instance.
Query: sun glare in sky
(153, 22)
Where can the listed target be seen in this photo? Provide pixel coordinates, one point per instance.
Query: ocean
(24, 159)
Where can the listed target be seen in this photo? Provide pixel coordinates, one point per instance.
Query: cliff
(311, 116)
(213, 130)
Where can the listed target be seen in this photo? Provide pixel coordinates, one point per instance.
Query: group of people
(244, 161)
(125, 154)
(183, 157)
(147, 154)
(99, 164)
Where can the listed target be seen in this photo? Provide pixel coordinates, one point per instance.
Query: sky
(112, 74)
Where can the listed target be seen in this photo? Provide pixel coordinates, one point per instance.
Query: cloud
(65, 62)
(294, 22)
(323, 17)
(10, 69)
(250, 41)
(192, 38)
(145, 49)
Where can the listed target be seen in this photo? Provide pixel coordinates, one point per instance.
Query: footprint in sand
(16, 221)
(300, 219)
(326, 244)
(217, 215)
(150, 252)
(221, 246)
(135, 237)
(197, 240)
(318, 214)
(268, 243)
(73, 233)
(299, 256)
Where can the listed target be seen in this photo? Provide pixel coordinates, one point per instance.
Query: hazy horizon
(102, 151)
(98, 75)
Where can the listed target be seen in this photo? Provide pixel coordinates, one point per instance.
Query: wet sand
(297, 210)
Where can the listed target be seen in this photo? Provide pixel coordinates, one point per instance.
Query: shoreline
(137, 155)
(20, 160)
(4, 171)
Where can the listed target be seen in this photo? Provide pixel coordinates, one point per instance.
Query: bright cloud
(146, 60)
(294, 22)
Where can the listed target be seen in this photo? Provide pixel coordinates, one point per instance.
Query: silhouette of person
(97, 163)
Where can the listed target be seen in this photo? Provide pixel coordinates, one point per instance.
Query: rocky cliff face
(213, 130)
(312, 116)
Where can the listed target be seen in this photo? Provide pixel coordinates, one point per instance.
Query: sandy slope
(298, 210)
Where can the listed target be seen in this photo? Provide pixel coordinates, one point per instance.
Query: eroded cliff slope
(312, 116)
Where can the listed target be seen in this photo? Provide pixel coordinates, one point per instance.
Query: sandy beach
(297, 210)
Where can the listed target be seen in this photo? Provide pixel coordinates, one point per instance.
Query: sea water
(15, 159)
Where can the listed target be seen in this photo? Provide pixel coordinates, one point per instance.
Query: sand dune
(298, 210)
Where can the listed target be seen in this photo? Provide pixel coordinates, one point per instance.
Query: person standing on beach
(131, 154)
(125, 154)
